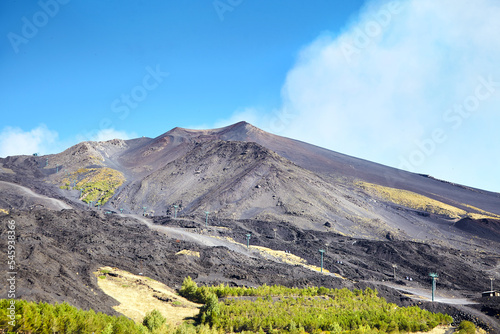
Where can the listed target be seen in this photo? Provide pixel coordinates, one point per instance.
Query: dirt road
(204, 240)
(30, 197)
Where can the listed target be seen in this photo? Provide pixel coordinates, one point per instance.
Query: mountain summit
(242, 172)
(204, 191)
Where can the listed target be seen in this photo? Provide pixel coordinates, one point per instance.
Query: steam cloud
(401, 71)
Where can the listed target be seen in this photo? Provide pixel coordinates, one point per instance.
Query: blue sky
(413, 84)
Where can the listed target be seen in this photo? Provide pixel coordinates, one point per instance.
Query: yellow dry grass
(229, 239)
(482, 214)
(281, 256)
(288, 258)
(139, 295)
(4, 211)
(439, 330)
(188, 252)
(6, 170)
(424, 203)
(412, 200)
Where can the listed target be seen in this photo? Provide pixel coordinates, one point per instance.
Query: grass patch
(98, 185)
(481, 213)
(419, 202)
(412, 200)
(188, 253)
(279, 255)
(102, 276)
(138, 295)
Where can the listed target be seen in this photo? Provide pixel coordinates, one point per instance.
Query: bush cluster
(466, 327)
(43, 318)
(271, 309)
(280, 309)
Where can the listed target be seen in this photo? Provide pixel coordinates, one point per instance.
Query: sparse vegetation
(293, 310)
(412, 200)
(98, 184)
(279, 255)
(482, 214)
(46, 318)
(139, 295)
(62, 318)
(420, 202)
(188, 253)
(466, 327)
(153, 320)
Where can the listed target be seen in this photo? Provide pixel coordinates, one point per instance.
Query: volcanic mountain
(242, 172)
(141, 205)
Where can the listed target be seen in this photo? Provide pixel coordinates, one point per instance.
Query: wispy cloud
(15, 141)
(42, 140)
(384, 85)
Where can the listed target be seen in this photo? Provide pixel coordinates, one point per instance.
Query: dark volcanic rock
(484, 228)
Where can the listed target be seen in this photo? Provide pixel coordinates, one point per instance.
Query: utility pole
(321, 251)
(394, 266)
(248, 240)
(434, 276)
(206, 219)
(275, 229)
(175, 211)
(491, 282)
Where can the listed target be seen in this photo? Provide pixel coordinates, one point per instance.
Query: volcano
(138, 203)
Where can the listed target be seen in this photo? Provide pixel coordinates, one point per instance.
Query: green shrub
(188, 289)
(466, 327)
(153, 320)
(209, 313)
(62, 318)
(291, 310)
